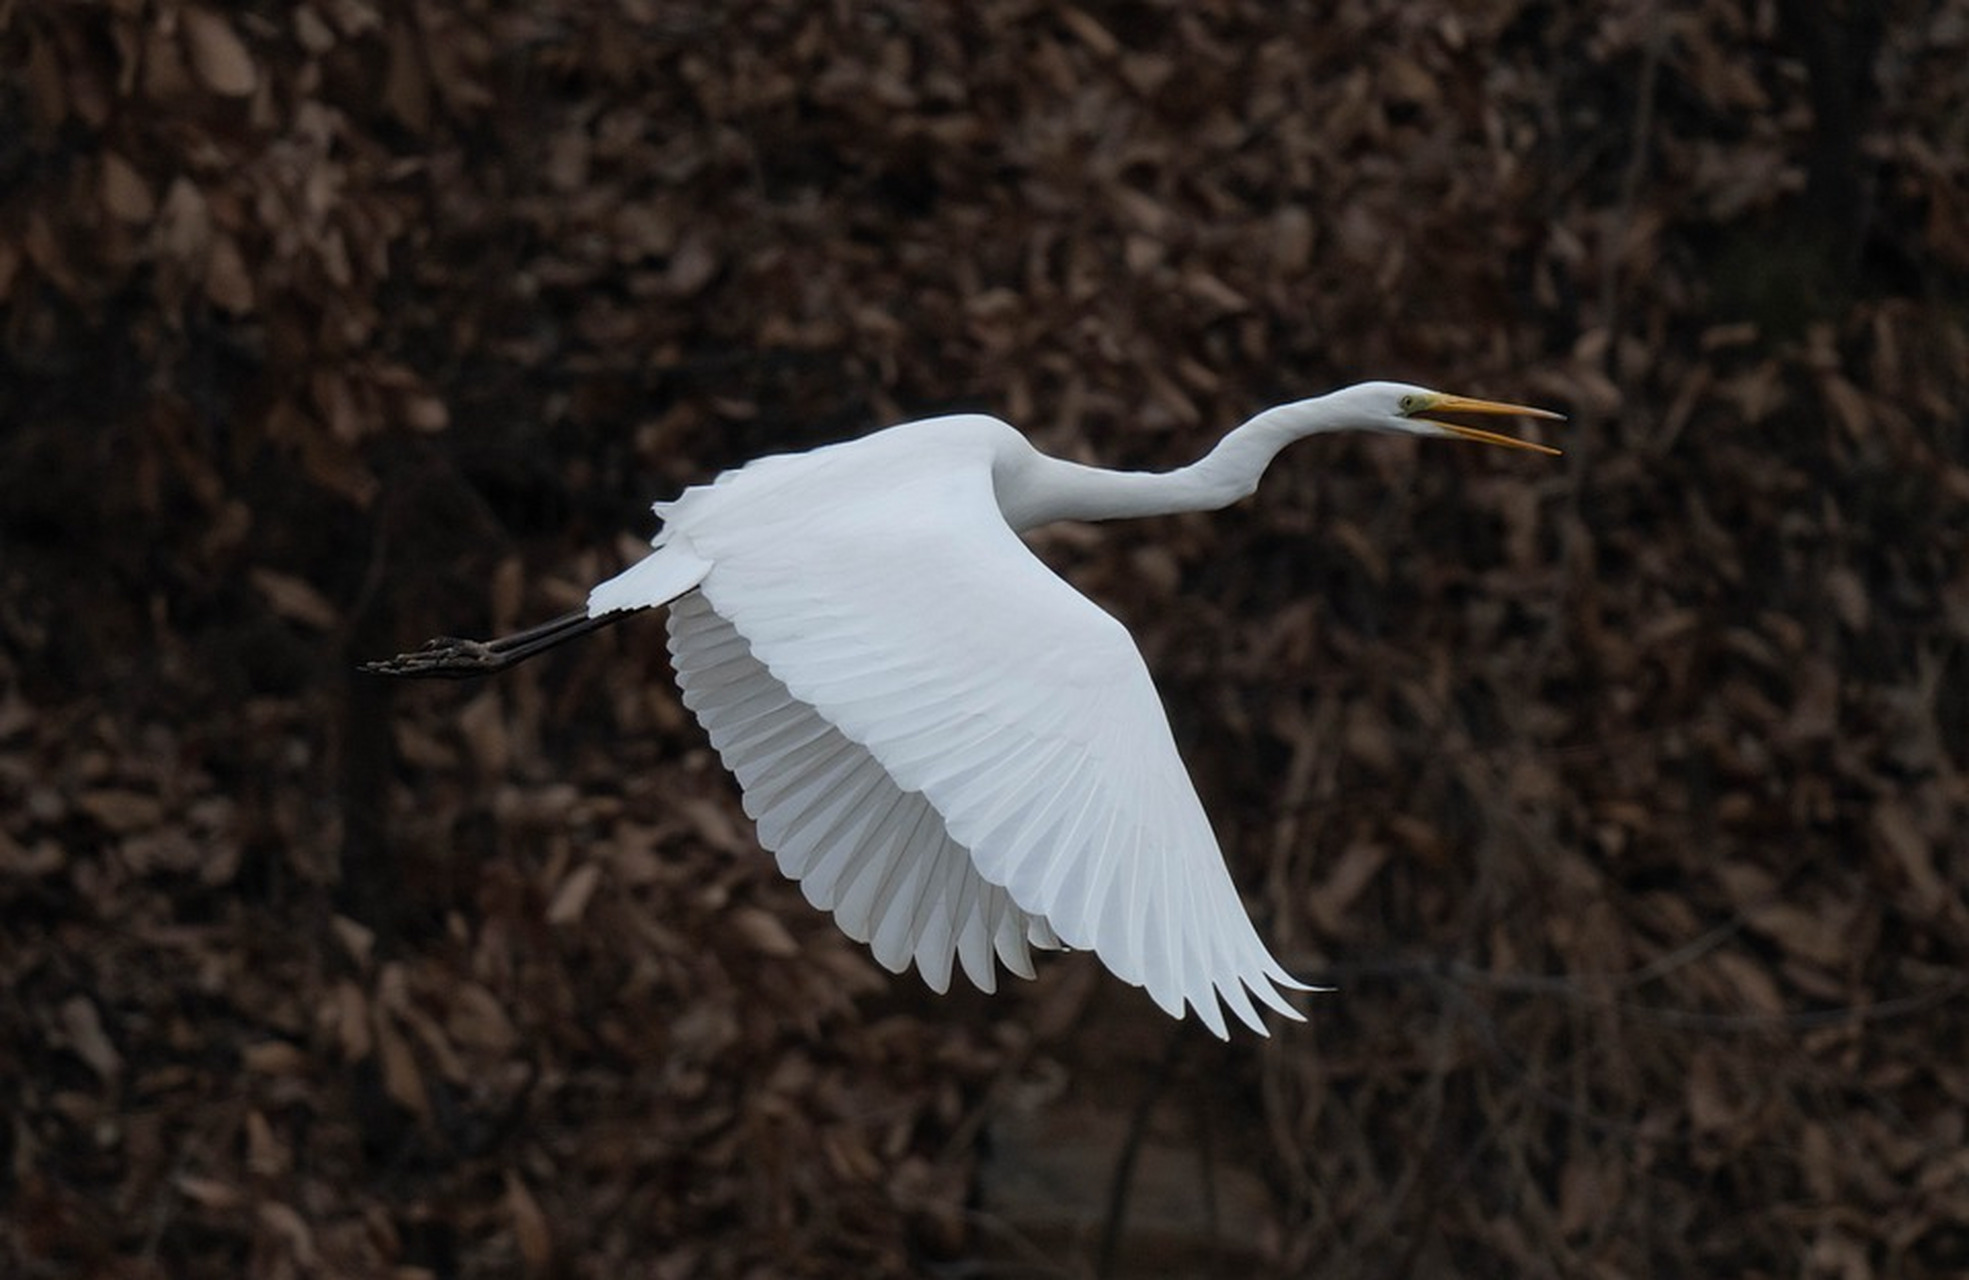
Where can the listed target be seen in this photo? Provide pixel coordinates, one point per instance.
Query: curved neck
(1054, 489)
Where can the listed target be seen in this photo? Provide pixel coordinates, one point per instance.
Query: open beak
(1487, 409)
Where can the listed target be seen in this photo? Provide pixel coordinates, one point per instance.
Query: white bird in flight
(952, 750)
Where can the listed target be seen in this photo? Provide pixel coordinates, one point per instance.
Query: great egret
(951, 749)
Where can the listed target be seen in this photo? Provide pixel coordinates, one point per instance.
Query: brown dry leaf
(266, 1155)
(1849, 404)
(292, 1229)
(407, 84)
(482, 724)
(1748, 885)
(171, 851)
(1588, 1192)
(336, 399)
(692, 266)
(166, 79)
(569, 153)
(125, 193)
(184, 226)
(1897, 832)
(1366, 738)
(313, 33)
(1815, 707)
(762, 931)
(208, 1193)
(1410, 83)
(274, 1058)
(426, 413)
(45, 89)
(348, 1013)
(478, 1021)
(86, 1037)
(16, 716)
(1816, 937)
(571, 899)
(46, 858)
(1756, 992)
(713, 824)
(1088, 30)
(1292, 238)
(436, 1043)
(1352, 872)
(1821, 1161)
(228, 282)
(648, 230)
(121, 811)
(1213, 292)
(530, 1229)
(420, 748)
(49, 252)
(217, 54)
(848, 1153)
(507, 592)
(1837, 1255)
(295, 600)
(403, 1081)
(333, 463)
(1849, 597)
(352, 18)
(357, 939)
(1710, 1106)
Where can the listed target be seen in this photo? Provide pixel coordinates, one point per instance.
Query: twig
(1131, 1149)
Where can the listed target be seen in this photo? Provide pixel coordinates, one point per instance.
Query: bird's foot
(445, 658)
(450, 658)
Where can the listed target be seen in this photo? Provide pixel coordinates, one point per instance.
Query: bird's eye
(1409, 404)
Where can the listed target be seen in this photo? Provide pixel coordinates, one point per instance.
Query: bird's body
(877, 677)
(949, 747)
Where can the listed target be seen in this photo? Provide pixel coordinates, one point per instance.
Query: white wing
(876, 856)
(951, 748)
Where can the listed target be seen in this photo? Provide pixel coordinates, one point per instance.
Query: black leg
(450, 658)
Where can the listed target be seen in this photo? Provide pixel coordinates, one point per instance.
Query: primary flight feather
(951, 749)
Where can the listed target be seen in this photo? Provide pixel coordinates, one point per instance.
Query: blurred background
(1621, 796)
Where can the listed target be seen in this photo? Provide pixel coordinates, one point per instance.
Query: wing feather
(1033, 792)
(877, 857)
(840, 820)
(974, 936)
(870, 885)
(892, 901)
(932, 920)
(1009, 935)
(835, 865)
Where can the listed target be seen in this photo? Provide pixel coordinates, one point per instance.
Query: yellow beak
(1484, 408)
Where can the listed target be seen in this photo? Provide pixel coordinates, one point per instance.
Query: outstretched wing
(922, 715)
(875, 856)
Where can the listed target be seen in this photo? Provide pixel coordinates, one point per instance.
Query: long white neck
(1050, 489)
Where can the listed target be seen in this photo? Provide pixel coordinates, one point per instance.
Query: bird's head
(1401, 409)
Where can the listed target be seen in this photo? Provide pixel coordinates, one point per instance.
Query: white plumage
(950, 749)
